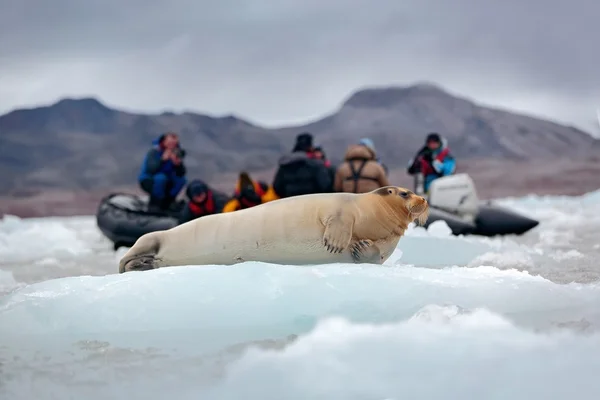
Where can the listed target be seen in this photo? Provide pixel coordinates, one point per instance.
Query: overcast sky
(287, 61)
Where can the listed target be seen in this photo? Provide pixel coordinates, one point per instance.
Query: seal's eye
(403, 194)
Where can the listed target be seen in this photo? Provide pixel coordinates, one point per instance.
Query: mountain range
(84, 144)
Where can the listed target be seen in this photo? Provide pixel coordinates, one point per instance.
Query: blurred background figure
(202, 200)
(249, 193)
(360, 172)
(432, 161)
(163, 173)
(300, 173)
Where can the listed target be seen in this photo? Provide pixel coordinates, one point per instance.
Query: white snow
(446, 317)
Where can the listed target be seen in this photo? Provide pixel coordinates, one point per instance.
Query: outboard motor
(455, 194)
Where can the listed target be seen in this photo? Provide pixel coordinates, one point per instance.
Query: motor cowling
(455, 194)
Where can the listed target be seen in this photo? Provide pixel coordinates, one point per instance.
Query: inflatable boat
(453, 199)
(123, 218)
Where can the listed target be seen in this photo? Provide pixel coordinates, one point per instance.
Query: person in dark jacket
(163, 173)
(202, 201)
(299, 173)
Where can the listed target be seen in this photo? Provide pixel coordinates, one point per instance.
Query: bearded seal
(309, 229)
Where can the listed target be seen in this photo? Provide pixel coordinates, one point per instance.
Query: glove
(437, 165)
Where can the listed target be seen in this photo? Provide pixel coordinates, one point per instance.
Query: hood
(357, 151)
(291, 158)
(443, 145)
(304, 142)
(156, 142)
(196, 187)
(246, 190)
(244, 180)
(367, 142)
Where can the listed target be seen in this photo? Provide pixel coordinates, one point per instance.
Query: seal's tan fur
(309, 229)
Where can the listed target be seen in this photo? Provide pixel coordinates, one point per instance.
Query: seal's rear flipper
(142, 255)
(139, 263)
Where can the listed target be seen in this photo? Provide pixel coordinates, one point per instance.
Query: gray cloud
(286, 61)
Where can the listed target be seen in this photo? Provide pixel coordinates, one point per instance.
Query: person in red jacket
(202, 201)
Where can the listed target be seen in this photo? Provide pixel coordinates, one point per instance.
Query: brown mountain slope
(398, 118)
(83, 144)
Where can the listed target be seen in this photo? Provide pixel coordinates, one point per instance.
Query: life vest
(356, 173)
(427, 168)
(205, 208)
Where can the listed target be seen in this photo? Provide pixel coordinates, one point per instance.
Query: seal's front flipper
(337, 235)
(365, 252)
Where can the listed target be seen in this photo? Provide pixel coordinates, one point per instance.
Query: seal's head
(406, 205)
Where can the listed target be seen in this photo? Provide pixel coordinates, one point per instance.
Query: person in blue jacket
(163, 172)
(434, 160)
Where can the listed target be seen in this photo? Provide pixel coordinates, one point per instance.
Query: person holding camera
(163, 172)
(433, 160)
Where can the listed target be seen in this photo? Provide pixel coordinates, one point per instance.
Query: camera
(179, 153)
